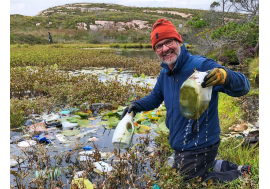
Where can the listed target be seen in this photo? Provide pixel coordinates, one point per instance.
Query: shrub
(231, 54)
(223, 58)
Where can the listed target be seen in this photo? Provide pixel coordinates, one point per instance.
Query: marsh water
(104, 135)
(137, 53)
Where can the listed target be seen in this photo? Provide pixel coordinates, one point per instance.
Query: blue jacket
(167, 89)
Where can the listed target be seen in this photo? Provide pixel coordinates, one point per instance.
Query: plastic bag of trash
(194, 99)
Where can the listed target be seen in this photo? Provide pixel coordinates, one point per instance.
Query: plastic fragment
(87, 148)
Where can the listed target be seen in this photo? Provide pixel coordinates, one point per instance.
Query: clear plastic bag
(194, 99)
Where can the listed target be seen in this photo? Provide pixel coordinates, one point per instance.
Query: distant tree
(224, 6)
(249, 6)
(214, 5)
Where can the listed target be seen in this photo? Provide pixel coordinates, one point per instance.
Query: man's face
(169, 51)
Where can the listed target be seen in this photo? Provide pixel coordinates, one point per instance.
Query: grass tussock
(254, 69)
(229, 111)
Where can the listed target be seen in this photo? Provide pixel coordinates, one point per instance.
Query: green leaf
(163, 127)
(70, 132)
(141, 129)
(105, 117)
(120, 108)
(72, 119)
(113, 121)
(103, 123)
(83, 123)
(110, 114)
(120, 113)
(157, 130)
(161, 120)
(152, 118)
(131, 98)
(82, 114)
(138, 117)
(142, 75)
(145, 122)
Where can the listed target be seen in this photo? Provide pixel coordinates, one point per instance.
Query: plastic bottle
(123, 133)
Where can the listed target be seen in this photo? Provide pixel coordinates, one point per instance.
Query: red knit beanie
(163, 29)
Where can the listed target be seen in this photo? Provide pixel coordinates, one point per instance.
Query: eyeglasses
(167, 43)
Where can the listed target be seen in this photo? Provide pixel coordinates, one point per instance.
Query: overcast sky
(33, 7)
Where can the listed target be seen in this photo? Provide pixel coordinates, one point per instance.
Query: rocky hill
(97, 23)
(91, 8)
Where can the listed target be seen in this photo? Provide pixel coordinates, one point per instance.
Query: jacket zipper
(173, 99)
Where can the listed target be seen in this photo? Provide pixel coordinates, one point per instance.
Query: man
(50, 38)
(197, 154)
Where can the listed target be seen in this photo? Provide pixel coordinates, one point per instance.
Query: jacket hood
(181, 60)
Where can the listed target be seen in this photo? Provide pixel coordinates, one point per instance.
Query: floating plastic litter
(27, 143)
(87, 148)
(102, 167)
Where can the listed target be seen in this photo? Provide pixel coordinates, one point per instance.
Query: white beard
(173, 61)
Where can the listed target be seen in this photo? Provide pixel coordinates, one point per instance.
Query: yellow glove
(216, 76)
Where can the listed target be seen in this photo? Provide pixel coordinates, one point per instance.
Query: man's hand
(132, 107)
(216, 76)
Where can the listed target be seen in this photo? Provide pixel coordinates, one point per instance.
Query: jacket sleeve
(236, 83)
(153, 100)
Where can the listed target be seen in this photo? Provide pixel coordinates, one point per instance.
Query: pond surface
(60, 146)
(123, 76)
(137, 53)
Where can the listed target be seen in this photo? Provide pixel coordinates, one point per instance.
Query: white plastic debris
(67, 124)
(60, 137)
(103, 167)
(85, 158)
(51, 117)
(27, 143)
(89, 152)
(78, 174)
(106, 155)
(13, 162)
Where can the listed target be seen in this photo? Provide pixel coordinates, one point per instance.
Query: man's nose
(164, 48)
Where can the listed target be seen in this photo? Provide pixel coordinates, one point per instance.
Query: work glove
(216, 76)
(132, 107)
